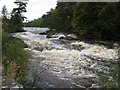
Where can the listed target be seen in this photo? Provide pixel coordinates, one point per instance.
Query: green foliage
(89, 21)
(4, 12)
(96, 21)
(5, 20)
(17, 18)
(35, 76)
(14, 57)
(58, 18)
(113, 80)
(15, 22)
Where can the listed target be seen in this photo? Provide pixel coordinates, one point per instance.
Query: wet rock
(62, 38)
(49, 36)
(78, 47)
(43, 33)
(71, 37)
(95, 86)
(49, 48)
(39, 48)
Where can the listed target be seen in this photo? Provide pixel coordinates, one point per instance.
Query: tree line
(89, 21)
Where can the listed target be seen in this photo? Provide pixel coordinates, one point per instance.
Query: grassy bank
(14, 58)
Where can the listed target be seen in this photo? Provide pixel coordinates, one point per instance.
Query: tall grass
(14, 58)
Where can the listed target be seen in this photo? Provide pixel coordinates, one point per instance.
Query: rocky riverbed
(60, 63)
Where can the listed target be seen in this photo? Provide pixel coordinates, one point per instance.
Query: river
(60, 63)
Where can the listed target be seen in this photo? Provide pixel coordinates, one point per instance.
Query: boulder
(62, 38)
(39, 48)
(48, 36)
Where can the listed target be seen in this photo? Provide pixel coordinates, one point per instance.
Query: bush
(14, 57)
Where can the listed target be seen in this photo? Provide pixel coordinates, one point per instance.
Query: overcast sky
(35, 8)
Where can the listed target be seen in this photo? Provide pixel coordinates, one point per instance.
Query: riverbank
(14, 59)
(73, 37)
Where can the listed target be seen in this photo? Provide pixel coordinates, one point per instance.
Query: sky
(35, 8)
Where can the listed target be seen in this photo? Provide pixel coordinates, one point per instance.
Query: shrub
(14, 57)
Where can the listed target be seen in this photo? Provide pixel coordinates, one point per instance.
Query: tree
(89, 21)
(96, 21)
(5, 20)
(4, 12)
(16, 16)
(65, 12)
(109, 22)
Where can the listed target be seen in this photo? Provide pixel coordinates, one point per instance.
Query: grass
(14, 58)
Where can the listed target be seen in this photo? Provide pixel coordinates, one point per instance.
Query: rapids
(62, 63)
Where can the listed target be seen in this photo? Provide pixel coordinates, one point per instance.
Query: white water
(66, 63)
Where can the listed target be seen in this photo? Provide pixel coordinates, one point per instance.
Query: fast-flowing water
(64, 63)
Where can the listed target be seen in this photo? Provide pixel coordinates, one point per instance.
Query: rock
(62, 38)
(21, 30)
(43, 33)
(9, 83)
(95, 86)
(49, 48)
(39, 48)
(54, 36)
(71, 37)
(77, 47)
(48, 36)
